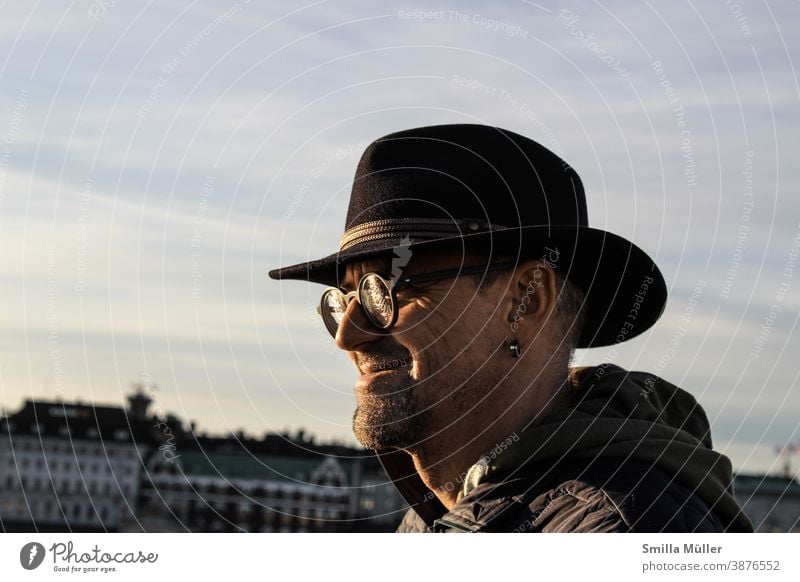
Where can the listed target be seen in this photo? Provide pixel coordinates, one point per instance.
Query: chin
(383, 423)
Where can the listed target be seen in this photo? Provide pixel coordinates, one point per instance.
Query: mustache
(382, 358)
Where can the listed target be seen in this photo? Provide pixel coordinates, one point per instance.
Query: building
(771, 502)
(70, 467)
(234, 491)
(81, 467)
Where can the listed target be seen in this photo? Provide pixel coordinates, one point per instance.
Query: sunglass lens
(332, 309)
(376, 298)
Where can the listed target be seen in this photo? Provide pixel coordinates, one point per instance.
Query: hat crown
(458, 172)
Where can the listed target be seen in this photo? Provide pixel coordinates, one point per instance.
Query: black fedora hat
(481, 187)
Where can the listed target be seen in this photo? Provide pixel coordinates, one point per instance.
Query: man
(466, 277)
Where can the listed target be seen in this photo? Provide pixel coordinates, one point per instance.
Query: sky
(157, 159)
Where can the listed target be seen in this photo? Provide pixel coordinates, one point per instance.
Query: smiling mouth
(388, 366)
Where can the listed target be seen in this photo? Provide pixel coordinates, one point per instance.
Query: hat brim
(625, 290)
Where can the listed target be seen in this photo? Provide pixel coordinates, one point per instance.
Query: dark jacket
(630, 453)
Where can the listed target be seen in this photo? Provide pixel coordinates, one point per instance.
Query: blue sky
(157, 159)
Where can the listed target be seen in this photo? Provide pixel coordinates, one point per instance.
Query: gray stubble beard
(397, 421)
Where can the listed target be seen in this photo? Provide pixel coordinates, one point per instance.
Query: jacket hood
(611, 413)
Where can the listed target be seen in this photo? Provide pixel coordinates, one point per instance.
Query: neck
(443, 461)
(443, 470)
(444, 473)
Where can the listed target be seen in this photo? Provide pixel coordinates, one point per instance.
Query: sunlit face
(438, 361)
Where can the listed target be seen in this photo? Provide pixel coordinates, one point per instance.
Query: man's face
(441, 359)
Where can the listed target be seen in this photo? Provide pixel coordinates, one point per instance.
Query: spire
(138, 403)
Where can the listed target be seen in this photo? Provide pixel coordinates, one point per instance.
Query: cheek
(420, 332)
(418, 347)
(437, 331)
(418, 322)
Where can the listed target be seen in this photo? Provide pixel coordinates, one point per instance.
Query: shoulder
(591, 496)
(614, 495)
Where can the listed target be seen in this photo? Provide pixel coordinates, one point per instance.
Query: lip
(376, 373)
(377, 381)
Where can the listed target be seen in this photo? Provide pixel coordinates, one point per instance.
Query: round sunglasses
(377, 296)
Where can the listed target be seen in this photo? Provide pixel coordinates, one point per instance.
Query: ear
(534, 290)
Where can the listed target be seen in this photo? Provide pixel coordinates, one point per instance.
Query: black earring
(513, 347)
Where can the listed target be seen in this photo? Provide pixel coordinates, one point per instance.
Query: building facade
(79, 467)
(69, 467)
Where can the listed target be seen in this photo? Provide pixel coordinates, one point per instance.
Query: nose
(355, 329)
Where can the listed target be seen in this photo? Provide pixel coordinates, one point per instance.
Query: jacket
(630, 452)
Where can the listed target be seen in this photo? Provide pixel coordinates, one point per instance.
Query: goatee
(394, 421)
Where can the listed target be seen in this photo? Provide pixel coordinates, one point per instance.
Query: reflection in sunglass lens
(332, 309)
(376, 297)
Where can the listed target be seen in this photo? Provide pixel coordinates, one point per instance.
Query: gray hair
(570, 310)
(570, 307)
